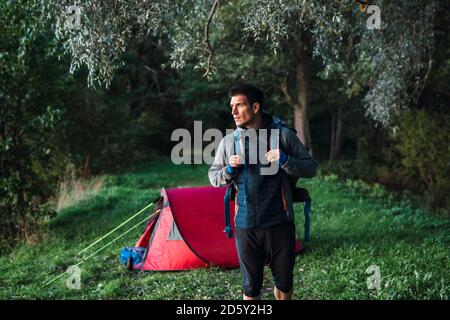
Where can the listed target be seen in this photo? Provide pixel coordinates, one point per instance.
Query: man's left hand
(273, 155)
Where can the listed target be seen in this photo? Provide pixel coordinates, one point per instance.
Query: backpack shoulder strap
(228, 194)
(237, 146)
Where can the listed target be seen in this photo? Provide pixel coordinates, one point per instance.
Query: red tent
(187, 232)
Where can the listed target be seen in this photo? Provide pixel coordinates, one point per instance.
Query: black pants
(276, 245)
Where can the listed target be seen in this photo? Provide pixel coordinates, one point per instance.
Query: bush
(352, 169)
(424, 148)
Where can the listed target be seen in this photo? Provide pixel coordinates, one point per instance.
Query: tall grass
(73, 190)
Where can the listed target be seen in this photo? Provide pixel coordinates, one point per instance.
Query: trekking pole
(116, 228)
(105, 246)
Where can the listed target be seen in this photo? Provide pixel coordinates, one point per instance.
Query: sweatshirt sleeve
(218, 174)
(300, 163)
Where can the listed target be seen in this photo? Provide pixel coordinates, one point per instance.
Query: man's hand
(235, 161)
(273, 155)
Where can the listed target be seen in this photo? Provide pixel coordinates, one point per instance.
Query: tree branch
(154, 74)
(284, 89)
(419, 89)
(364, 3)
(206, 40)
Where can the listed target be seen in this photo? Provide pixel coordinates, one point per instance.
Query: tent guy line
(109, 243)
(116, 228)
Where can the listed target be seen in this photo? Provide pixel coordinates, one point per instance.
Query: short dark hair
(252, 93)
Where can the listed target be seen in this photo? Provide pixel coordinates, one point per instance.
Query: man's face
(242, 112)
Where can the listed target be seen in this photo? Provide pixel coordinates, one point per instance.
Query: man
(264, 220)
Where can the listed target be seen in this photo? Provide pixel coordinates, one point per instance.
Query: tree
(28, 114)
(96, 33)
(377, 53)
(389, 66)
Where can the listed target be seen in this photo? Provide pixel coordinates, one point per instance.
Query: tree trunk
(303, 90)
(299, 119)
(333, 135)
(336, 135)
(300, 98)
(338, 142)
(302, 126)
(87, 167)
(337, 116)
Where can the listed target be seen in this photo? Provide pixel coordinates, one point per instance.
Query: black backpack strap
(230, 195)
(228, 230)
(302, 195)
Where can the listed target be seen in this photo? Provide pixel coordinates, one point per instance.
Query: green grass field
(353, 226)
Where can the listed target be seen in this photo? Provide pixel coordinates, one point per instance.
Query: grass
(354, 226)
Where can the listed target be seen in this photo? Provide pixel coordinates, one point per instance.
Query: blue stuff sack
(131, 256)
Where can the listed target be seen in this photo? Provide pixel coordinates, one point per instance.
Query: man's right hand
(235, 161)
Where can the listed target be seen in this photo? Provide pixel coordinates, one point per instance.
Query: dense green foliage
(354, 226)
(423, 143)
(28, 114)
(54, 125)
